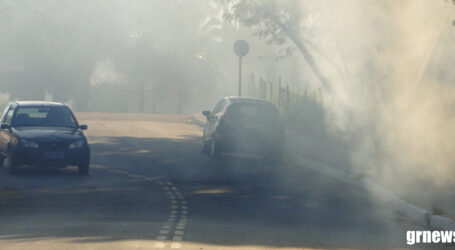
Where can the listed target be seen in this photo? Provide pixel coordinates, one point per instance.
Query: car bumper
(249, 145)
(51, 158)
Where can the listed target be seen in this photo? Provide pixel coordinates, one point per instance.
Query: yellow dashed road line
(174, 229)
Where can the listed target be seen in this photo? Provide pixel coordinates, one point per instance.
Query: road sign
(241, 48)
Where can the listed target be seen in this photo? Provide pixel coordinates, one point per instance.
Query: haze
(370, 83)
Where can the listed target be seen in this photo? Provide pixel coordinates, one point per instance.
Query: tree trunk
(306, 54)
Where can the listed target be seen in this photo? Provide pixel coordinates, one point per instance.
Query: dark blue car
(239, 124)
(43, 134)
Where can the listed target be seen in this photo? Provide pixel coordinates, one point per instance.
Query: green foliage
(61, 43)
(265, 18)
(276, 21)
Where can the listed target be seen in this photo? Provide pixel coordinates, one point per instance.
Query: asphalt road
(150, 187)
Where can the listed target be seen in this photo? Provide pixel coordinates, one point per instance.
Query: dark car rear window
(43, 117)
(253, 113)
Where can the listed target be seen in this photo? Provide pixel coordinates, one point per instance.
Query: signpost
(241, 48)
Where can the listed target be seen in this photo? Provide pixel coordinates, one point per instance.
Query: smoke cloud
(390, 62)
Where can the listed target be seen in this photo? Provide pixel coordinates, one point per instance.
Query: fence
(302, 110)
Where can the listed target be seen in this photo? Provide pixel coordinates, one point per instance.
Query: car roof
(38, 103)
(239, 99)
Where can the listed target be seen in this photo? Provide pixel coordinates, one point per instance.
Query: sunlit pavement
(150, 187)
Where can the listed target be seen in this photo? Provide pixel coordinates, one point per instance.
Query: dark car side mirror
(206, 113)
(83, 127)
(4, 126)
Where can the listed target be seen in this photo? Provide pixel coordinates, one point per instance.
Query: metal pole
(271, 90)
(240, 76)
(279, 91)
(287, 96)
(253, 88)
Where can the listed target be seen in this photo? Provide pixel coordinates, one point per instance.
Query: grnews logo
(415, 237)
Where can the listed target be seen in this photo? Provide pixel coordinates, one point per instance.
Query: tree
(276, 21)
(59, 43)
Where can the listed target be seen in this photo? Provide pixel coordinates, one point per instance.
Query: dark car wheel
(215, 149)
(11, 164)
(84, 168)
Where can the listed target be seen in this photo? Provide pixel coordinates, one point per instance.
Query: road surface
(150, 187)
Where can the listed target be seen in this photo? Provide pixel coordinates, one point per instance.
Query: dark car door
(212, 122)
(5, 134)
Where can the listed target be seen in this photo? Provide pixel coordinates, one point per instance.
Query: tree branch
(306, 54)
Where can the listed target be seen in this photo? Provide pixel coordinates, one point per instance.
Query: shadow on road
(232, 202)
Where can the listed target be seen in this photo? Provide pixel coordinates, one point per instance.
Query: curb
(418, 215)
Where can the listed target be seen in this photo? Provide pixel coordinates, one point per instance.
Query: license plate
(54, 155)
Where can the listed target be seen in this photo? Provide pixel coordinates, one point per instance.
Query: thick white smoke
(391, 63)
